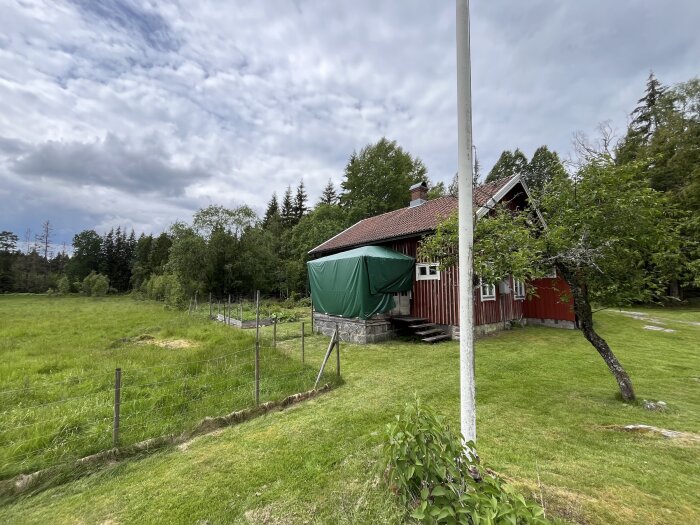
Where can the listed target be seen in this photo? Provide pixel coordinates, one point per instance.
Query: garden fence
(50, 423)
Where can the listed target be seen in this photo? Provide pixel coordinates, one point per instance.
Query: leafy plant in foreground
(441, 481)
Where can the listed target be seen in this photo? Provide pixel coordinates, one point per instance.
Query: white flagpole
(466, 225)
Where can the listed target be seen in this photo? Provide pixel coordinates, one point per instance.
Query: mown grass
(57, 375)
(545, 400)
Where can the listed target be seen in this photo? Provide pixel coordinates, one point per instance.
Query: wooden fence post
(312, 316)
(257, 348)
(325, 358)
(195, 300)
(210, 305)
(302, 342)
(337, 351)
(117, 405)
(274, 333)
(229, 309)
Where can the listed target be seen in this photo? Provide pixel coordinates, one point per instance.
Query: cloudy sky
(118, 112)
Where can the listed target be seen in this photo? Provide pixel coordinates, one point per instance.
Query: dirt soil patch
(686, 437)
(172, 344)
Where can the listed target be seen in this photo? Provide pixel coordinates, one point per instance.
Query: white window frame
(519, 292)
(432, 272)
(490, 290)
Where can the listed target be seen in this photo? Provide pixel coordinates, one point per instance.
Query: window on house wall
(487, 291)
(427, 272)
(518, 289)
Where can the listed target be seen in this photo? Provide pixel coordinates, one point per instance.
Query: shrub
(95, 285)
(305, 301)
(166, 288)
(63, 285)
(440, 481)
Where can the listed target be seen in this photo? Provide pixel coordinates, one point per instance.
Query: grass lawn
(544, 399)
(59, 356)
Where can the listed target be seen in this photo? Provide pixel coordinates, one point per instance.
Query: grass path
(544, 398)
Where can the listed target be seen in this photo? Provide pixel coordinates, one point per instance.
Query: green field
(59, 356)
(545, 402)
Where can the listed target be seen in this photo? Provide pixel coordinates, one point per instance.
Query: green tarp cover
(359, 283)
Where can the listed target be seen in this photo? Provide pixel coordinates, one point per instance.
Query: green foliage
(63, 285)
(287, 209)
(504, 244)
(377, 179)
(232, 221)
(329, 195)
(664, 139)
(437, 190)
(86, 255)
(440, 479)
(166, 288)
(95, 285)
(544, 167)
(508, 164)
(272, 212)
(313, 229)
(614, 232)
(188, 257)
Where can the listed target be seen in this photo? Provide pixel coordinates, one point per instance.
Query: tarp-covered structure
(358, 283)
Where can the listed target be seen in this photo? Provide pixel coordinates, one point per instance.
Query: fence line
(146, 409)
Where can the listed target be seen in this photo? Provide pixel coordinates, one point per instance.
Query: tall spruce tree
(644, 120)
(272, 211)
(509, 163)
(544, 166)
(299, 208)
(287, 211)
(329, 195)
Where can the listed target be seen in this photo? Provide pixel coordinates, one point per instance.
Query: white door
(403, 303)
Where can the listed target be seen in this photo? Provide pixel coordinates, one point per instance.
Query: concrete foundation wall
(357, 331)
(551, 323)
(375, 330)
(486, 329)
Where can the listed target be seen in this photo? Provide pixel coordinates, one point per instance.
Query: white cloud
(129, 113)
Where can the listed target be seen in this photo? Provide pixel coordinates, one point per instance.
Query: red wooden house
(435, 293)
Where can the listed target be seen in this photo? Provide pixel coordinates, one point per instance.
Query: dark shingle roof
(406, 222)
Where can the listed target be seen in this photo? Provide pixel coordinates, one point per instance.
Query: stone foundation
(487, 329)
(551, 323)
(358, 331)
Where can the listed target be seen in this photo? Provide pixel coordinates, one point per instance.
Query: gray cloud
(109, 163)
(132, 18)
(190, 103)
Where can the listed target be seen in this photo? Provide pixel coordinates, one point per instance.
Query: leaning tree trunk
(582, 308)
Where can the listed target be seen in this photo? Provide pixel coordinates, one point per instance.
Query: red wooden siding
(438, 300)
(548, 303)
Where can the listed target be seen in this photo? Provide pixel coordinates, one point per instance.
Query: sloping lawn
(57, 375)
(544, 399)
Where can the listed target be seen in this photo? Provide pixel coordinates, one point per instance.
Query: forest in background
(234, 251)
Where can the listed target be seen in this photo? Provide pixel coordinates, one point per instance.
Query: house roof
(406, 222)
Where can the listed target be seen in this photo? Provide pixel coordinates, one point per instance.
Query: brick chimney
(419, 194)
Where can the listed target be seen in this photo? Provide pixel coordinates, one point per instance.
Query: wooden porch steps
(422, 328)
(432, 331)
(436, 338)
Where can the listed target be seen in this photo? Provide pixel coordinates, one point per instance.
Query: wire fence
(43, 424)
